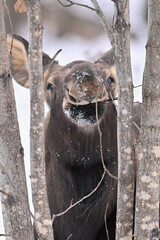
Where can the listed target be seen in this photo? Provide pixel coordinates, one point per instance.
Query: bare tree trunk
(148, 171)
(125, 135)
(16, 214)
(42, 215)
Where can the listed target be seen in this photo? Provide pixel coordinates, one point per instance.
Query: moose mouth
(85, 109)
(85, 114)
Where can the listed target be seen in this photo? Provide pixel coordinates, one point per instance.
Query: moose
(79, 96)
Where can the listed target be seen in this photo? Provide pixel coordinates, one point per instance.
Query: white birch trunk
(148, 170)
(16, 214)
(125, 134)
(43, 222)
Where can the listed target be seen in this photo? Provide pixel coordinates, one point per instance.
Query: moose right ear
(18, 50)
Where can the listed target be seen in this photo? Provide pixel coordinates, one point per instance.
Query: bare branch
(69, 236)
(99, 12)
(3, 192)
(5, 235)
(105, 220)
(81, 200)
(71, 3)
(104, 21)
(101, 147)
(138, 86)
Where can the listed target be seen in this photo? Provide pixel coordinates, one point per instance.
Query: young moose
(73, 158)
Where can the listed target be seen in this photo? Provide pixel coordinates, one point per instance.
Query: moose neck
(76, 157)
(80, 147)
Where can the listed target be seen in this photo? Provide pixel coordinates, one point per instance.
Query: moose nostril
(73, 99)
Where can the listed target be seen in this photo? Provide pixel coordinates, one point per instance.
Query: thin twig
(82, 199)
(135, 124)
(4, 235)
(99, 12)
(69, 236)
(56, 54)
(3, 192)
(105, 220)
(101, 147)
(138, 86)
(53, 59)
(71, 3)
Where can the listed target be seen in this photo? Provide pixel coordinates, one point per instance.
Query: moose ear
(18, 50)
(107, 58)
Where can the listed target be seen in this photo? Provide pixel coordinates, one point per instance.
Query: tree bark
(43, 222)
(126, 172)
(148, 170)
(15, 207)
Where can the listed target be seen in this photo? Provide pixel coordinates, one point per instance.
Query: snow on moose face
(82, 87)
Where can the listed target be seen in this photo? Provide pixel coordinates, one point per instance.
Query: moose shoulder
(73, 157)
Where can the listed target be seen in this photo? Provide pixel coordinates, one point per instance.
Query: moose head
(78, 85)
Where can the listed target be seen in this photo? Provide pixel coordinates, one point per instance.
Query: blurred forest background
(80, 35)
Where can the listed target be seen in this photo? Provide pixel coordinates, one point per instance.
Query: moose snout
(83, 94)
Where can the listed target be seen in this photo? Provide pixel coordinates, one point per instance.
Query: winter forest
(81, 31)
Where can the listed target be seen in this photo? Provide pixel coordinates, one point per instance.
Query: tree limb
(16, 214)
(42, 220)
(126, 169)
(104, 21)
(148, 157)
(71, 3)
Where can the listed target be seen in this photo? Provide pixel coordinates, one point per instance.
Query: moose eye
(50, 87)
(110, 80)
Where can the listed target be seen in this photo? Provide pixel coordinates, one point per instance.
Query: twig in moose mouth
(112, 99)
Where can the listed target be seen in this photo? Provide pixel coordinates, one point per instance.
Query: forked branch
(98, 11)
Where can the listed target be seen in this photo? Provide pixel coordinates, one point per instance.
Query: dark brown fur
(73, 158)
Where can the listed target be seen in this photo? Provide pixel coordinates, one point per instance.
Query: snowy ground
(77, 48)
